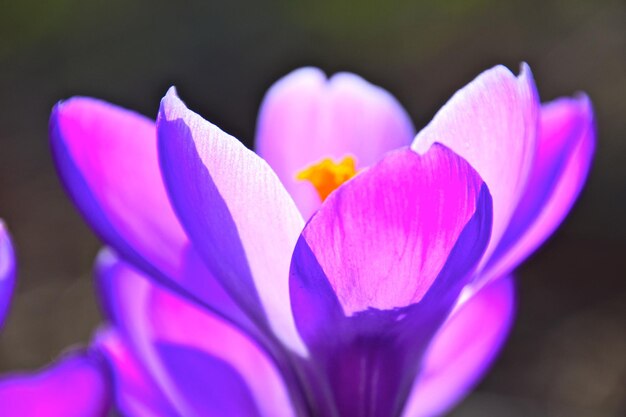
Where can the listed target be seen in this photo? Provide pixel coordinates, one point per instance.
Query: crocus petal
(134, 391)
(235, 210)
(306, 117)
(384, 237)
(76, 386)
(368, 307)
(566, 147)
(107, 158)
(463, 349)
(7, 271)
(202, 365)
(492, 123)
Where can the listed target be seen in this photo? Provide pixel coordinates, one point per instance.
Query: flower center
(327, 175)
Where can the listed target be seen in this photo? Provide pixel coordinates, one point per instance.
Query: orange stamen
(326, 175)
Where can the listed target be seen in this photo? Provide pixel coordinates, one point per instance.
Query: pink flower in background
(352, 269)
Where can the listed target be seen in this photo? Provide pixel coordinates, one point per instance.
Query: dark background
(567, 352)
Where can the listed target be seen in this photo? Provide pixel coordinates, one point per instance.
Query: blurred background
(567, 352)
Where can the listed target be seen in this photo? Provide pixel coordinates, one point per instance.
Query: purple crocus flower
(373, 283)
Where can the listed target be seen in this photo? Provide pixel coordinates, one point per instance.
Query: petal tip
(105, 258)
(172, 92)
(301, 78)
(307, 73)
(7, 258)
(524, 69)
(527, 82)
(172, 107)
(57, 112)
(585, 102)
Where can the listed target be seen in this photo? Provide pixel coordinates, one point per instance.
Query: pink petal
(463, 350)
(378, 269)
(75, 386)
(306, 117)
(566, 147)
(492, 123)
(7, 271)
(162, 328)
(107, 159)
(384, 237)
(236, 212)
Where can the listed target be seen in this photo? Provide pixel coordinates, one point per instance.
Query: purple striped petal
(566, 147)
(236, 212)
(463, 349)
(134, 391)
(76, 386)
(7, 272)
(202, 365)
(378, 269)
(492, 123)
(306, 117)
(107, 159)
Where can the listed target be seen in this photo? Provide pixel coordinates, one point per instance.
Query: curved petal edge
(238, 215)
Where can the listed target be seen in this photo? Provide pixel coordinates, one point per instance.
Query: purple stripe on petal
(75, 386)
(107, 159)
(377, 270)
(462, 350)
(492, 123)
(166, 332)
(566, 147)
(134, 391)
(239, 216)
(7, 272)
(306, 117)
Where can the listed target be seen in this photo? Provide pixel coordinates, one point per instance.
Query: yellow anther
(326, 175)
